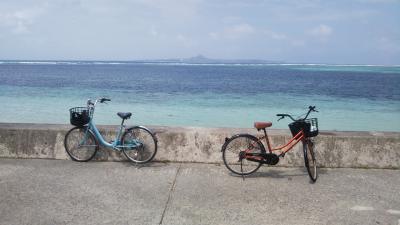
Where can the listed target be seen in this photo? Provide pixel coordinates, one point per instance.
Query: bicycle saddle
(262, 125)
(124, 115)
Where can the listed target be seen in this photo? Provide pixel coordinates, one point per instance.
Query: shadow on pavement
(277, 173)
(145, 165)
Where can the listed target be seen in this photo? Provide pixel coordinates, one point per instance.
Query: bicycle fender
(227, 139)
(145, 128)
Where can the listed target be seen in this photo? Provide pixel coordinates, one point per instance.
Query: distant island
(200, 59)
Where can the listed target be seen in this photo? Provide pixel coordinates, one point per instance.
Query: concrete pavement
(38, 191)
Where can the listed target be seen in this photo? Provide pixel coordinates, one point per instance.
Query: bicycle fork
(83, 141)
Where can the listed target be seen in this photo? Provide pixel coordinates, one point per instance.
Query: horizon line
(187, 61)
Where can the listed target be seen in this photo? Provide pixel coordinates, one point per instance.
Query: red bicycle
(243, 154)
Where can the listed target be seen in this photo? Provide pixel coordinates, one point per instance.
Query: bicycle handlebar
(284, 115)
(310, 109)
(101, 100)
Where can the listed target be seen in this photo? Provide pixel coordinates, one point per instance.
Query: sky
(295, 31)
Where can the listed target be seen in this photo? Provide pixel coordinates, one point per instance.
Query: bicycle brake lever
(281, 118)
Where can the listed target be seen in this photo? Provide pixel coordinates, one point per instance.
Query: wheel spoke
(80, 144)
(146, 148)
(233, 151)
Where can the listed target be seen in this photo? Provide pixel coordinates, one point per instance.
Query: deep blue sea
(206, 95)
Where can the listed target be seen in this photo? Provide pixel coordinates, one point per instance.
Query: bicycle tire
(148, 144)
(309, 160)
(231, 158)
(75, 144)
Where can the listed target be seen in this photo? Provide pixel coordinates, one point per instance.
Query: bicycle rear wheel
(237, 145)
(80, 144)
(309, 160)
(140, 144)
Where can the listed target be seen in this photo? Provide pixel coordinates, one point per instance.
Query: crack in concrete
(171, 190)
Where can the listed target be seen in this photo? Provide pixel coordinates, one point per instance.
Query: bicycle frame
(116, 144)
(300, 136)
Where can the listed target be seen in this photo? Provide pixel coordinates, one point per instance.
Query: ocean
(348, 97)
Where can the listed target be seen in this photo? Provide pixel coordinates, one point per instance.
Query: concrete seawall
(194, 144)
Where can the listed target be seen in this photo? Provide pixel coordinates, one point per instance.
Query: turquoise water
(348, 97)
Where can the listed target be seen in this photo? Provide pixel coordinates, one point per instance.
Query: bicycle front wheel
(80, 144)
(233, 150)
(139, 144)
(309, 159)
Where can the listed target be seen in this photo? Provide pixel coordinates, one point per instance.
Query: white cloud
(285, 39)
(153, 32)
(298, 43)
(172, 8)
(186, 41)
(321, 31)
(231, 19)
(234, 32)
(213, 35)
(19, 21)
(275, 35)
(388, 45)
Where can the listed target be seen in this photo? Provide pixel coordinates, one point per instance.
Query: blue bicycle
(137, 143)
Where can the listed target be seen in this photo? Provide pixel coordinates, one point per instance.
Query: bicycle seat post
(267, 140)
